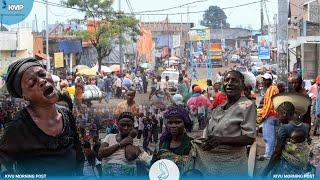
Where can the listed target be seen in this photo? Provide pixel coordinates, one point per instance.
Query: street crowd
(49, 135)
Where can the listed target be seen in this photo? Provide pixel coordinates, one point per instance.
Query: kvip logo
(15, 11)
(12, 7)
(15, 7)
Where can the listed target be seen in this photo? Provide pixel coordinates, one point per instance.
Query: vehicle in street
(257, 66)
(234, 58)
(173, 79)
(254, 59)
(242, 69)
(215, 54)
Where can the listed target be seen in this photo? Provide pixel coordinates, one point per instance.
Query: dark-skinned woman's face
(175, 126)
(38, 87)
(232, 85)
(125, 126)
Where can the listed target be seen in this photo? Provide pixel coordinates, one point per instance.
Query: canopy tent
(115, 68)
(88, 72)
(103, 69)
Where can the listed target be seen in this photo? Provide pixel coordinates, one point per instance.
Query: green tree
(214, 17)
(108, 27)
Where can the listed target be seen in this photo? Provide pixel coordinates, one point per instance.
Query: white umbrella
(55, 78)
(106, 69)
(174, 58)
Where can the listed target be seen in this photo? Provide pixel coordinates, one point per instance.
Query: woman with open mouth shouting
(42, 138)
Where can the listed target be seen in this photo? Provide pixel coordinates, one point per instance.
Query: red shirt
(220, 99)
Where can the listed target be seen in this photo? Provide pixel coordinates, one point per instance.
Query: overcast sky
(247, 15)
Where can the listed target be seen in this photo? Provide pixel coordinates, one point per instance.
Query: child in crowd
(140, 126)
(147, 134)
(297, 149)
(155, 129)
(111, 128)
(90, 161)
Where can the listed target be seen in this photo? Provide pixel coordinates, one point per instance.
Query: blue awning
(70, 46)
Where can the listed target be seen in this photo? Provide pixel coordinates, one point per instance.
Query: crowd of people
(43, 137)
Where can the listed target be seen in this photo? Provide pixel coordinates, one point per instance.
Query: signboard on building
(176, 41)
(263, 47)
(58, 60)
(199, 34)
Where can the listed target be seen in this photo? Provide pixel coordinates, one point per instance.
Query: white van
(173, 79)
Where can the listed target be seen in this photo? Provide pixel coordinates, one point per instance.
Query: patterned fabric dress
(181, 155)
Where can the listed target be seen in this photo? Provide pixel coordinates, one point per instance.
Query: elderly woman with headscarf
(42, 138)
(231, 128)
(175, 144)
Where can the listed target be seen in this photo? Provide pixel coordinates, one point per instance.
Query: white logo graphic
(15, 7)
(164, 169)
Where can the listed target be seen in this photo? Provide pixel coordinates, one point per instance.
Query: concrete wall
(8, 40)
(310, 60)
(25, 39)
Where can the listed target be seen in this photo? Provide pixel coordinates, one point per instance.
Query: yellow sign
(199, 34)
(58, 60)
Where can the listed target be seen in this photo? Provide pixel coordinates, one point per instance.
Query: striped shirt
(268, 109)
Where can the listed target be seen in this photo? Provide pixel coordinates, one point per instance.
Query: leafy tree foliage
(214, 17)
(106, 25)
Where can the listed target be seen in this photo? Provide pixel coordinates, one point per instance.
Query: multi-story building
(16, 44)
(164, 31)
(304, 35)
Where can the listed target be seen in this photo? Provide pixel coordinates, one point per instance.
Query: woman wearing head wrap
(231, 128)
(175, 144)
(112, 150)
(42, 138)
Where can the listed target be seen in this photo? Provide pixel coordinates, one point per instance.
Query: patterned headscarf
(179, 112)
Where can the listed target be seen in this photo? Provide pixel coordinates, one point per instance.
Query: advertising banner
(176, 41)
(199, 34)
(58, 60)
(263, 47)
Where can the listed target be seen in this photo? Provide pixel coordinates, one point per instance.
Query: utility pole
(261, 17)
(168, 39)
(120, 43)
(36, 23)
(282, 41)
(181, 54)
(47, 39)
